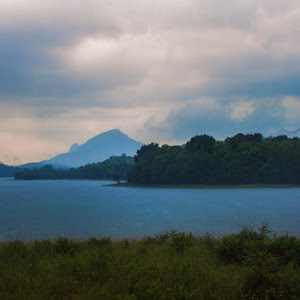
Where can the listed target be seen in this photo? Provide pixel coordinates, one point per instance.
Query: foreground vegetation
(247, 265)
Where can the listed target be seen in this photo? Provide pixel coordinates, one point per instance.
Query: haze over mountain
(96, 149)
(288, 133)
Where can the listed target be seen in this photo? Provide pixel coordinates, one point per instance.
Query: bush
(241, 247)
(251, 248)
(286, 249)
(42, 248)
(64, 246)
(13, 251)
(181, 241)
(261, 283)
(104, 242)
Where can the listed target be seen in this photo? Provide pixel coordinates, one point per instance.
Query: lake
(80, 209)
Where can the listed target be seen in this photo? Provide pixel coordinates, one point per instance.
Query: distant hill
(96, 149)
(8, 171)
(288, 133)
(38, 165)
(113, 168)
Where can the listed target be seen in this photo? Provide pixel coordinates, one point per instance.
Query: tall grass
(248, 265)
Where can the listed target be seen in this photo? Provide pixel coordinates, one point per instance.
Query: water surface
(80, 209)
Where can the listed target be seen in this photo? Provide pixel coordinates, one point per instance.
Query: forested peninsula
(241, 159)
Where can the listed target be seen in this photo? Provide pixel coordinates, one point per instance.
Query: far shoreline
(203, 186)
(167, 186)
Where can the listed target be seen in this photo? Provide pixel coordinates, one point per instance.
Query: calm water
(79, 209)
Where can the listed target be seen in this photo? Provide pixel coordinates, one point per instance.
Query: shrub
(263, 283)
(240, 247)
(286, 249)
(64, 246)
(181, 241)
(104, 242)
(13, 251)
(42, 248)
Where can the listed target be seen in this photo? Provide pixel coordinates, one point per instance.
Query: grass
(248, 265)
(204, 186)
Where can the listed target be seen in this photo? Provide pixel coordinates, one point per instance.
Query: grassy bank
(248, 265)
(205, 186)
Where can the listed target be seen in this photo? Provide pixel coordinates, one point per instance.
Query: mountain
(97, 149)
(288, 133)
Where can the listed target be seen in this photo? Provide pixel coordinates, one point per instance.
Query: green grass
(205, 186)
(248, 265)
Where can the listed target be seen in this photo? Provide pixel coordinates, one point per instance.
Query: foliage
(252, 247)
(241, 159)
(117, 177)
(115, 165)
(249, 264)
(8, 171)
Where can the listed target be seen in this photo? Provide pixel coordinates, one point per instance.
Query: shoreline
(204, 186)
(165, 186)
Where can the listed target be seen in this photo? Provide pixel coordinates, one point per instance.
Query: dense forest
(8, 171)
(241, 159)
(116, 168)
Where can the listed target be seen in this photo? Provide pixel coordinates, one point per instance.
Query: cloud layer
(159, 70)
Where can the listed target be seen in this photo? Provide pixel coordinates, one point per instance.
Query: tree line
(115, 168)
(8, 171)
(241, 159)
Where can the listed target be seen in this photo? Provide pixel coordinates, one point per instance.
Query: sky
(159, 70)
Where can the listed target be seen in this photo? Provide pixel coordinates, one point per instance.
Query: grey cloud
(259, 77)
(31, 73)
(190, 40)
(194, 119)
(28, 68)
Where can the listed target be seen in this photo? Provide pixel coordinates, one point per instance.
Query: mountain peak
(96, 149)
(111, 131)
(112, 134)
(74, 147)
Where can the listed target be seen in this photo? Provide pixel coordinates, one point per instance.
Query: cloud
(220, 119)
(160, 70)
(241, 110)
(292, 109)
(195, 48)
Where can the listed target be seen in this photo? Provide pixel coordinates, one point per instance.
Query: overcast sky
(159, 70)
